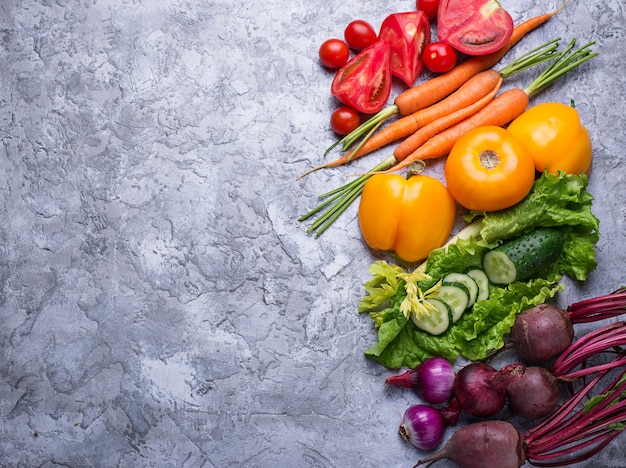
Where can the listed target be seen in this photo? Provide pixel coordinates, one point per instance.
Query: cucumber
(523, 257)
(439, 319)
(482, 282)
(456, 296)
(466, 281)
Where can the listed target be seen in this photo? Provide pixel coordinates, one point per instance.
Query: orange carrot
(471, 91)
(425, 133)
(435, 89)
(500, 111)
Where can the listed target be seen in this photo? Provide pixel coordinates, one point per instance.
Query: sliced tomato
(474, 27)
(407, 34)
(364, 83)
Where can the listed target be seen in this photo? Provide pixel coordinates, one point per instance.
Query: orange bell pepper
(408, 216)
(554, 137)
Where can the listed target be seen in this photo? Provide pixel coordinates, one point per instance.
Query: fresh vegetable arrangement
(520, 173)
(560, 202)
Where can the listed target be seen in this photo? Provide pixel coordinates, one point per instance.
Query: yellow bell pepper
(408, 216)
(555, 138)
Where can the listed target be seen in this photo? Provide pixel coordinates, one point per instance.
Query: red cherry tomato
(344, 119)
(429, 7)
(334, 53)
(364, 82)
(439, 57)
(359, 34)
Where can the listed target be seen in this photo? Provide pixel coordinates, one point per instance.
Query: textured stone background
(160, 304)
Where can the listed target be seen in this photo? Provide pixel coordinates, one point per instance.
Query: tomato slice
(474, 27)
(364, 83)
(407, 34)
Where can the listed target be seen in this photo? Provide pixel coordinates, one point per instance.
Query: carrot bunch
(436, 138)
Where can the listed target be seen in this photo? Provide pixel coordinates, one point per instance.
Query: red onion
(422, 426)
(432, 380)
(480, 390)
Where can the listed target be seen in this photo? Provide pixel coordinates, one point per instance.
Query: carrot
(437, 88)
(436, 126)
(499, 111)
(502, 110)
(475, 88)
(460, 103)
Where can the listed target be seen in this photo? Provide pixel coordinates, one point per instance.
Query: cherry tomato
(439, 57)
(360, 34)
(407, 34)
(429, 7)
(488, 169)
(334, 53)
(344, 119)
(364, 82)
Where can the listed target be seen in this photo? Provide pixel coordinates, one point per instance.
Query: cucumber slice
(499, 267)
(457, 298)
(466, 281)
(482, 282)
(439, 319)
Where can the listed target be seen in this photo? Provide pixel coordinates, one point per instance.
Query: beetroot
(483, 444)
(544, 331)
(541, 332)
(534, 395)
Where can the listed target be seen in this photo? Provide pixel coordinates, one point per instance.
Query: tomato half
(555, 138)
(364, 83)
(344, 119)
(488, 169)
(334, 53)
(407, 34)
(429, 7)
(474, 27)
(439, 57)
(359, 34)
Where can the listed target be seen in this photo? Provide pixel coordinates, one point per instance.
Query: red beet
(534, 395)
(541, 332)
(483, 444)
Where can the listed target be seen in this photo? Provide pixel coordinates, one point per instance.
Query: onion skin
(422, 426)
(483, 444)
(535, 395)
(541, 332)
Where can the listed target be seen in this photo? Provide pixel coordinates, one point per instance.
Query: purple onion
(422, 426)
(432, 380)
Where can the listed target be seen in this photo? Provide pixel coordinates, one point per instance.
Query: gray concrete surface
(160, 304)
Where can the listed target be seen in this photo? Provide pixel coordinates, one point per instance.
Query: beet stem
(602, 339)
(551, 424)
(570, 377)
(565, 431)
